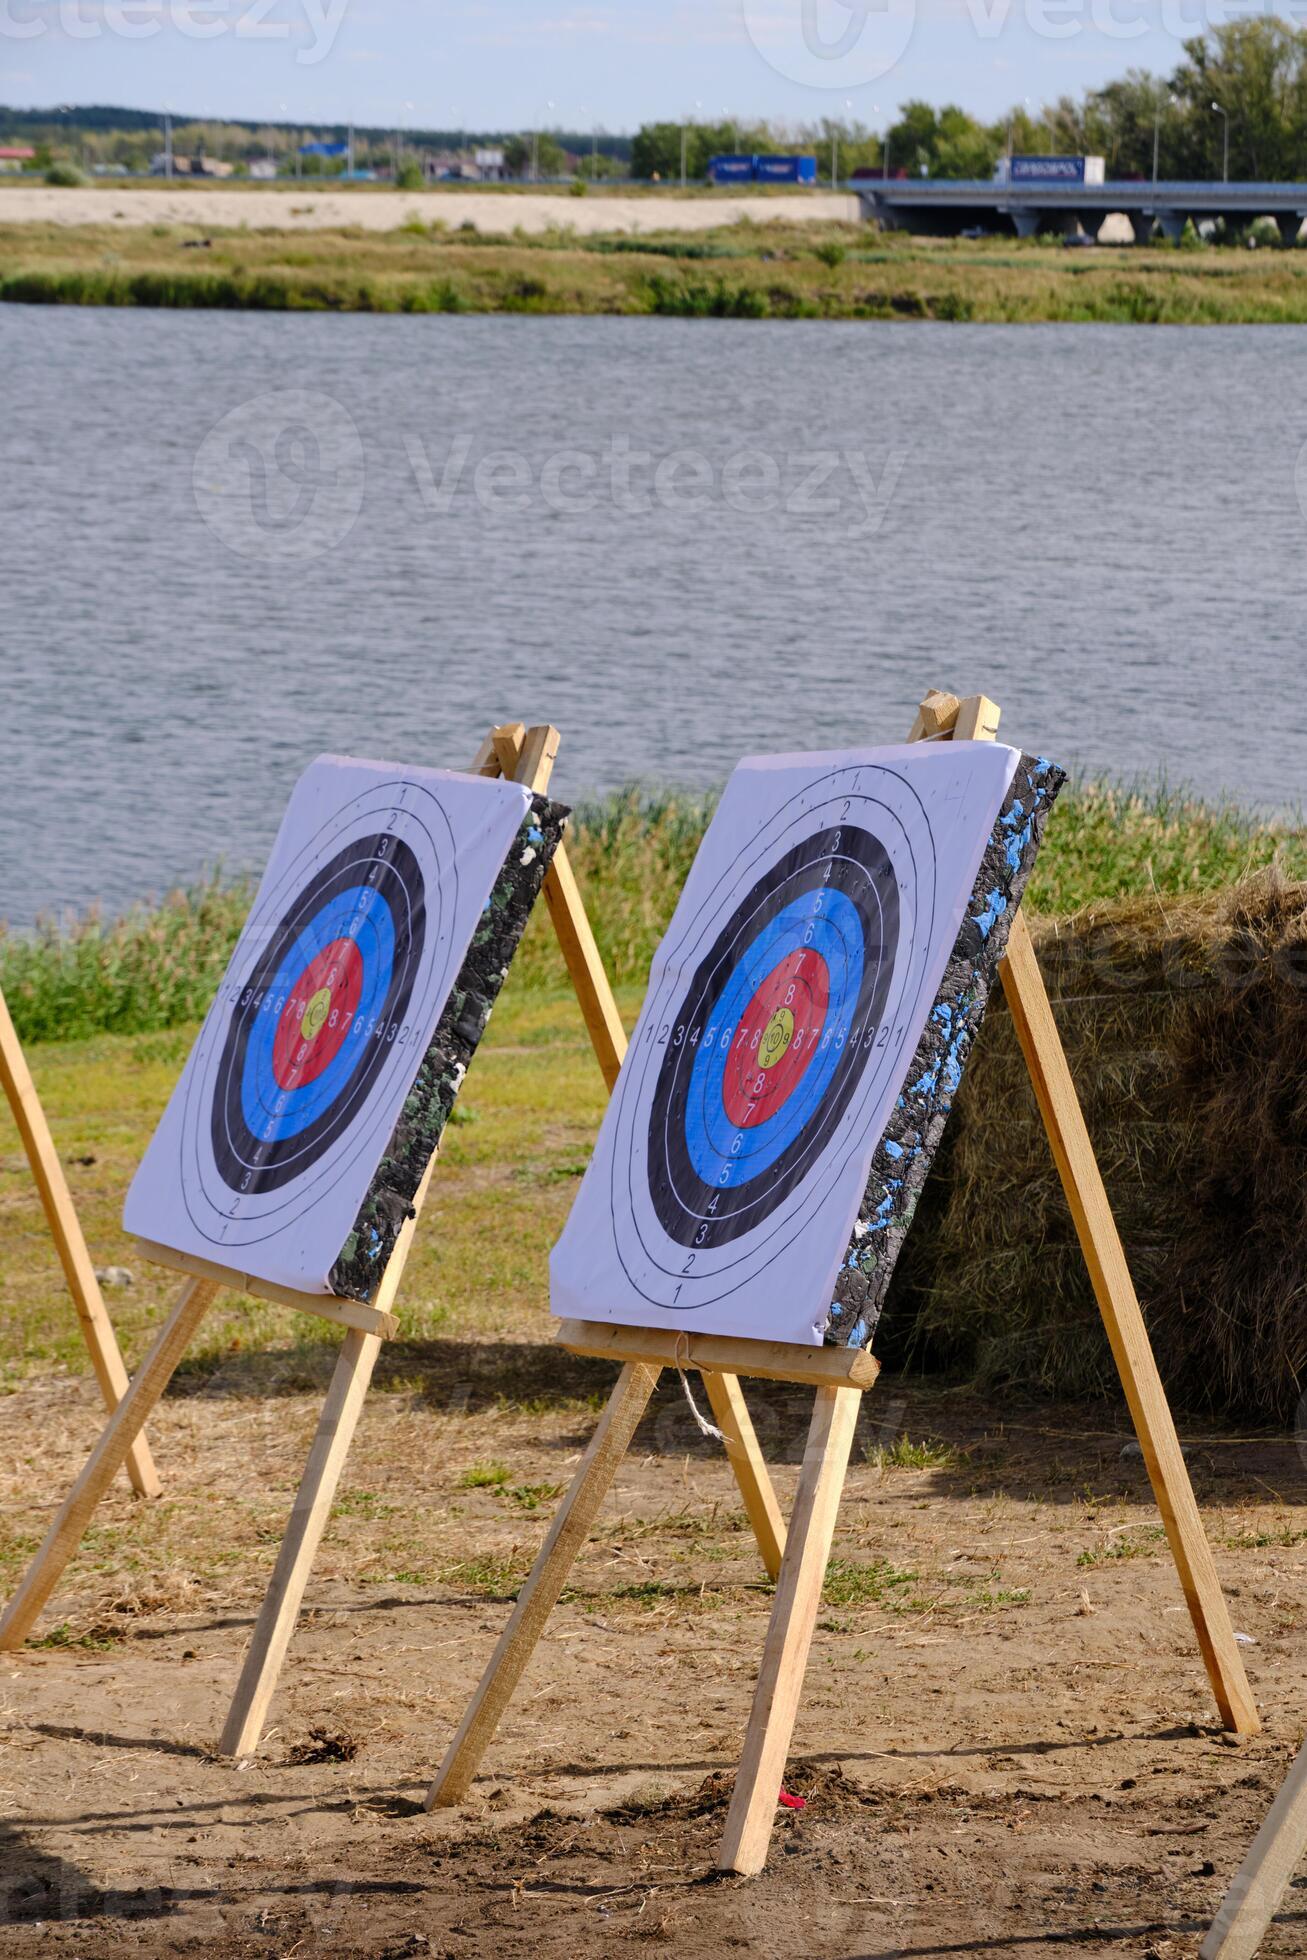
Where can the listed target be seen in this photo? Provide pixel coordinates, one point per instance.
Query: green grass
(876, 1583)
(529, 1497)
(1120, 1550)
(157, 969)
(778, 270)
(491, 1577)
(904, 1454)
(484, 1476)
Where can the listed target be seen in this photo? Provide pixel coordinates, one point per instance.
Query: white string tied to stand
(706, 1428)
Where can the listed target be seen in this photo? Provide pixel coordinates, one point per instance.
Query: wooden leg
(105, 1460)
(776, 1698)
(538, 1597)
(65, 1229)
(1263, 1878)
(731, 1414)
(1131, 1348)
(299, 1546)
(577, 942)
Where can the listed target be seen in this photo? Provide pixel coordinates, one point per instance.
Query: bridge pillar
(1141, 224)
(1290, 223)
(1028, 223)
(1172, 223)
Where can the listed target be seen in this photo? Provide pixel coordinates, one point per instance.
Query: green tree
(599, 169)
(538, 154)
(656, 149)
(1257, 71)
(947, 142)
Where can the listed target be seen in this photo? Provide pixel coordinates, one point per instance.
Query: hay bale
(1185, 1024)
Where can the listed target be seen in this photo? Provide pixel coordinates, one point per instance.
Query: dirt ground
(1006, 1745)
(308, 207)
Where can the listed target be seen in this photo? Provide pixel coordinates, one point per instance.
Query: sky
(580, 64)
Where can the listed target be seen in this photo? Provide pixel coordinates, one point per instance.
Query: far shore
(307, 207)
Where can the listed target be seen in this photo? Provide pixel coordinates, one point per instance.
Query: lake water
(233, 541)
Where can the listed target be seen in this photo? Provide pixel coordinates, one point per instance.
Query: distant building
(197, 166)
(16, 156)
(263, 169)
(457, 167)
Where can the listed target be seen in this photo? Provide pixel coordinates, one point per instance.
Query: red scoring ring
(750, 1093)
(298, 1059)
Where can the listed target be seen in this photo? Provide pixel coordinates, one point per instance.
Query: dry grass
(1185, 1021)
(745, 270)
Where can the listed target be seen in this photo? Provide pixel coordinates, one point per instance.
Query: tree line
(1255, 71)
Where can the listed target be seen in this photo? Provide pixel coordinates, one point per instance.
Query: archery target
(269, 1145)
(784, 1006)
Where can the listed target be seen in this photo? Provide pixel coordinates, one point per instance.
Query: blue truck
(762, 170)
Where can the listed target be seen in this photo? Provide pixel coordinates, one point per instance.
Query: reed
(744, 271)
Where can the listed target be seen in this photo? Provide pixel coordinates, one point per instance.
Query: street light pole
(1157, 135)
(1224, 114)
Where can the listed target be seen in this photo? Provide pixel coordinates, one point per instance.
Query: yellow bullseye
(777, 1036)
(316, 1013)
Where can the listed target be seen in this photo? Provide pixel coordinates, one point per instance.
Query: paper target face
(784, 1006)
(300, 1071)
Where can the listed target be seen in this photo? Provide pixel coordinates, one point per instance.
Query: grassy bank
(773, 271)
(157, 968)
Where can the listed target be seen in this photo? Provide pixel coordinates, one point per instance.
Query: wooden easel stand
(526, 755)
(1265, 1874)
(61, 1215)
(841, 1376)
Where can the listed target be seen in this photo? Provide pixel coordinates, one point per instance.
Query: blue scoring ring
(828, 922)
(361, 913)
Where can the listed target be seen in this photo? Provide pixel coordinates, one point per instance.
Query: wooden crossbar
(841, 1378)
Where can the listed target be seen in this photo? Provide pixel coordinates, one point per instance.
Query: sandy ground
(1007, 1745)
(309, 209)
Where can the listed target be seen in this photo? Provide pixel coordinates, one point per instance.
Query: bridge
(943, 208)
